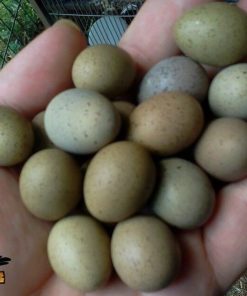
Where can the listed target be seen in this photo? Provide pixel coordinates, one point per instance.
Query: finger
(41, 70)
(225, 236)
(23, 239)
(149, 39)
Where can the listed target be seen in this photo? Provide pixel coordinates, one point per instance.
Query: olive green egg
(81, 121)
(50, 184)
(167, 123)
(16, 137)
(106, 69)
(184, 196)
(41, 140)
(79, 252)
(228, 92)
(221, 150)
(145, 253)
(213, 33)
(124, 108)
(118, 182)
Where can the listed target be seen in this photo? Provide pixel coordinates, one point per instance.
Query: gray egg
(81, 121)
(175, 74)
(228, 92)
(184, 196)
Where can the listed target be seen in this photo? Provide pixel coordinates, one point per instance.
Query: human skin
(213, 256)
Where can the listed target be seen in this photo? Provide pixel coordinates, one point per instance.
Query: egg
(221, 150)
(145, 253)
(175, 74)
(228, 92)
(184, 196)
(213, 33)
(79, 252)
(118, 181)
(50, 184)
(16, 137)
(124, 108)
(166, 123)
(106, 69)
(41, 140)
(81, 121)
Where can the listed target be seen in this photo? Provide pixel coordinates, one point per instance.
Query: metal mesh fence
(18, 25)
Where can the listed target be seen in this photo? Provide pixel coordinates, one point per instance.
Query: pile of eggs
(136, 170)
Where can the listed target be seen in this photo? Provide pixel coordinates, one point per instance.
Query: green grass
(18, 25)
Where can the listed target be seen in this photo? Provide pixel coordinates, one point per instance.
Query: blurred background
(103, 21)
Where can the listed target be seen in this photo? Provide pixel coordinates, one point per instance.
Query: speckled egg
(184, 196)
(222, 149)
(16, 137)
(124, 108)
(213, 33)
(41, 140)
(166, 123)
(50, 184)
(118, 181)
(81, 121)
(175, 74)
(145, 254)
(228, 92)
(106, 69)
(79, 252)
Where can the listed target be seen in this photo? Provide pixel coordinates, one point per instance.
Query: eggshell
(213, 33)
(145, 254)
(106, 69)
(79, 252)
(118, 181)
(184, 196)
(228, 92)
(124, 108)
(50, 184)
(222, 149)
(167, 123)
(41, 140)
(81, 121)
(16, 137)
(175, 74)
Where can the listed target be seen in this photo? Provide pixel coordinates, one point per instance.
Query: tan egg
(184, 196)
(16, 137)
(167, 123)
(50, 184)
(79, 252)
(124, 108)
(118, 181)
(81, 121)
(106, 69)
(41, 140)
(145, 253)
(222, 149)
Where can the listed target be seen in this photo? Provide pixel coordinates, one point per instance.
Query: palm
(212, 257)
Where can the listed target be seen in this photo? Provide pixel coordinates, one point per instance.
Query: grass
(18, 25)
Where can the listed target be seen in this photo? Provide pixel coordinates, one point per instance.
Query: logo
(3, 261)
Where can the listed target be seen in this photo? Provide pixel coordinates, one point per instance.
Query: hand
(214, 256)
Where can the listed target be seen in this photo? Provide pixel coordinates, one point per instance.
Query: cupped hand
(213, 256)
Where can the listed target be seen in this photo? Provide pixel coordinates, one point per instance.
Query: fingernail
(69, 23)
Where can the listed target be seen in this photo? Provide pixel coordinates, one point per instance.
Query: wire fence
(19, 24)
